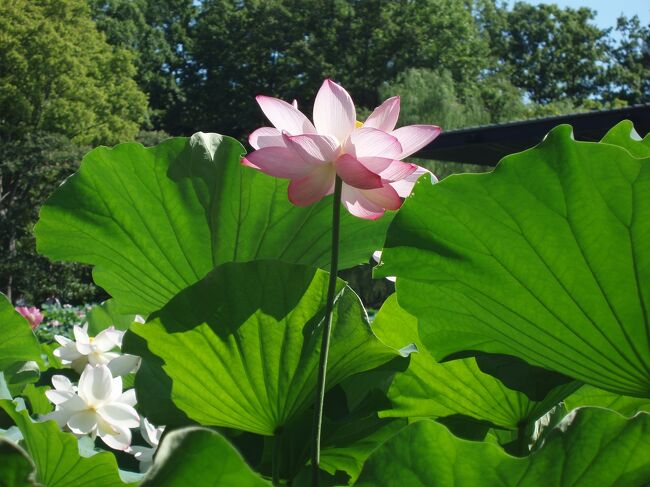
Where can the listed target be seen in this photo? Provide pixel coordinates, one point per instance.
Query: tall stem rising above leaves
(329, 309)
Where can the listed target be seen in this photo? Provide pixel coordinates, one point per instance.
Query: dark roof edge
(555, 119)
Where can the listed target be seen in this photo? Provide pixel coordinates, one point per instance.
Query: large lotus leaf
(624, 135)
(36, 399)
(241, 346)
(589, 447)
(346, 442)
(56, 455)
(592, 396)
(153, 386)
(16, 469)
(547, 258)
(107, 314)
(17, 341)
(431, 389)
(199, 456)
(349, 445)
(155, 220)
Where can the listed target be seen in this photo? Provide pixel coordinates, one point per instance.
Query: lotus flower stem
(324, 350)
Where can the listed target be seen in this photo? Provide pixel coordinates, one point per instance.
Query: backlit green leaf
(155, 220)
(16, 469)
(592, 396)
(241, 346)
(18, 343)
(199, 456)
(547, 258)
(431, 389)
(106, 314)
(624, 135)
(589, 447)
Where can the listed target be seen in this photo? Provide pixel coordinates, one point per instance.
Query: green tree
(432, 97)
(361, 44)
(628, 76)
(550, 52)
(30, 169)
(59, 75)
(156, 33)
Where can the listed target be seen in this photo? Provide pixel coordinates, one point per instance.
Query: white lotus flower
(151, 435)
(96, 407)
(95, 351)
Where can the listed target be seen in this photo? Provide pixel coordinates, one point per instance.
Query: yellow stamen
(358, 124)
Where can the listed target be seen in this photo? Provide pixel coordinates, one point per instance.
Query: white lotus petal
(62, 383)
(58, 397)
(119, 414)
(101, 358)
(79, 364)
(83, 422)
(59, 415)
(108, 339)
(96, 385)
(117, 389)
(67, 353)
(116, 437)
(82, 340)
(73, 405)
(63, 341)
(128, 397)
(150, 433)
(124, 364)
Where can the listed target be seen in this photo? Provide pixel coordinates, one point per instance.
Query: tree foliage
(156, 33)
(520, 294)
(628, 76)
(361, 44)
(30, 169)
(430, 96)
(77, 73)
(550, 52)
(60, 75)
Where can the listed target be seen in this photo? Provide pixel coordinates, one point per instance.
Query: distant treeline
(77, 73)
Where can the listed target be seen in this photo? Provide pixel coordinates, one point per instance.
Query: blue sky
(608, 10)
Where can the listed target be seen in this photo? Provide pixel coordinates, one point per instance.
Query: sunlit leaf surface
(547, 258)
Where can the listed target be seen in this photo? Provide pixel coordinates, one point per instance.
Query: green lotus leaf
(547, 259)
(346, 442)
(624, 135)
(16, 468)
(199, 456)
(348, 445)
(155, 220)
(592, 396)
(105, 315)
(431, 389)
(38, 401)
(56, 455)
(153, 386)
(241, 347)
(18, 344)
(589, 447)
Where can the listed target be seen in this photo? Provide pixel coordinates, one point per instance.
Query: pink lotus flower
(366, 156)
(32, 314)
